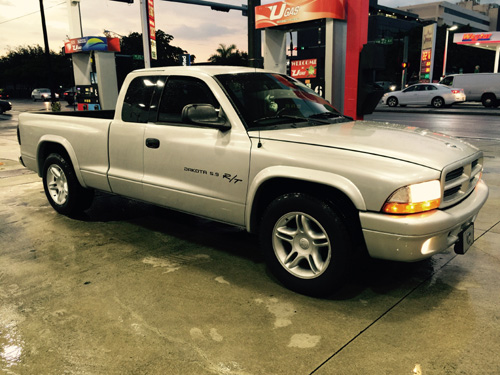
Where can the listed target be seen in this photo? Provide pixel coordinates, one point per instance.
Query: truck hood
(402, 142)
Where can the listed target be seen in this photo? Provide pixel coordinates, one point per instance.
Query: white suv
(42, 94)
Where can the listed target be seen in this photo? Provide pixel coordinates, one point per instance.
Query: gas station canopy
(487, 40)
(294, 11)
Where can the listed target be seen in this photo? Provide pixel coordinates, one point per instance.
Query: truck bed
(108, 114)
(84, 136)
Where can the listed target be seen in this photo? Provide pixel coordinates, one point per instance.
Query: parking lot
(134, 289)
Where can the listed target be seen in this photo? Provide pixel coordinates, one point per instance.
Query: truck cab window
(137, 100)
(448, 81)
(179, 92)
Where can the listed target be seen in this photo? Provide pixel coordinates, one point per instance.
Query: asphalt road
(134, 289)
(468, 120)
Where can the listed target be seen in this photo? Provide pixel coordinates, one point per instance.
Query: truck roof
(207, 69)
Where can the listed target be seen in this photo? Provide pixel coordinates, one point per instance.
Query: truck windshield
(266, 100)
(448, 81)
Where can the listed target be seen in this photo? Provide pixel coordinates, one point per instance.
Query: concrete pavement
(134, 289)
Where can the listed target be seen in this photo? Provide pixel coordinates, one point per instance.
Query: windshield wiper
(325, 115)
(281, 117)
(319, 118)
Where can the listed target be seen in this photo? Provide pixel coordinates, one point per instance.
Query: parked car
(478, 87)
(425, 94)
(5, 106)
(42, 94)
(387, 85)
(70, 95)
(4, 94)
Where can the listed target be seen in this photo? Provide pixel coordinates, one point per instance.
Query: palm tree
(223, 54)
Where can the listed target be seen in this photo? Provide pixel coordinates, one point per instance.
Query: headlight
(415, 198)
(392, 87)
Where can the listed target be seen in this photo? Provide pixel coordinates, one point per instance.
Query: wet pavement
(129, 288)
(467, 108)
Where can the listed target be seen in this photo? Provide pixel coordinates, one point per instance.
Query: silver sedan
(425, 94)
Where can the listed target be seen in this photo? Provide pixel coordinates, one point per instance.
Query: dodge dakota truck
(260, 150)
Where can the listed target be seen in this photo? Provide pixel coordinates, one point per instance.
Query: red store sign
(304, 68)
(152, 28)
(293, 11)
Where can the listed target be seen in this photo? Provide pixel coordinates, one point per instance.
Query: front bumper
(415, 237)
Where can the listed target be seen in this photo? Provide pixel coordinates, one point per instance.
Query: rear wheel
(306, 244)
(63, 191)
(489, 100)
(438, 102)
(392, 101)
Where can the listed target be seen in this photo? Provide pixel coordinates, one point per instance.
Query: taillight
(456, 91)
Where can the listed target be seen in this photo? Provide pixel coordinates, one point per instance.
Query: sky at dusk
(197, 29)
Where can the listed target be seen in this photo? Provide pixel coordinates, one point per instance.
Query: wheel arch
(61, 146)
(438, 97)
(338, 192)
(276, 181)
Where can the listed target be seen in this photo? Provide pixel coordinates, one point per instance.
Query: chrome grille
(459, 179)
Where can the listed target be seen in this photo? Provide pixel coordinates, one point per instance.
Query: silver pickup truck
(259, 150)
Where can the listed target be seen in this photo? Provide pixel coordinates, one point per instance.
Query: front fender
(302, 174)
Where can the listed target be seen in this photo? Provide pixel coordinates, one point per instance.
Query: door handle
(152, 143)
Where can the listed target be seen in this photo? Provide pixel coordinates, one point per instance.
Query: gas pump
(87, 98)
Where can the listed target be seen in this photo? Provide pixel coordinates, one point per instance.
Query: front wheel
(392, 101)
(306, 244)
(63, 191)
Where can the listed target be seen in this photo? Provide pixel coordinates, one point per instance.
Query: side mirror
(204, 115)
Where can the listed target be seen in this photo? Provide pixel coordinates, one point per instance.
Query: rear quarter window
(137, 100)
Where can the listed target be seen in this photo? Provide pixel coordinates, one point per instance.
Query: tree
(229, 55)
(25, 68)
(132, 45)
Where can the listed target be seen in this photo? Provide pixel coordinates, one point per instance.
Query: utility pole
(145, 33)
(47, 55)
(404, 74)
(254, 37)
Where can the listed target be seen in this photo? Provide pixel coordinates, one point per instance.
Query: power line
(29, 14)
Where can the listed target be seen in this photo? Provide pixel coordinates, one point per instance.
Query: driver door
(194, 168)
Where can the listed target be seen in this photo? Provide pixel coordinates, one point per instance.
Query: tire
(34, 99)
(392, 101)
(306, 244)
(63, 191)
(438, 102)
(488, 100)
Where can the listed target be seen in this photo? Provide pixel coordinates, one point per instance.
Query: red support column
(357, 36)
